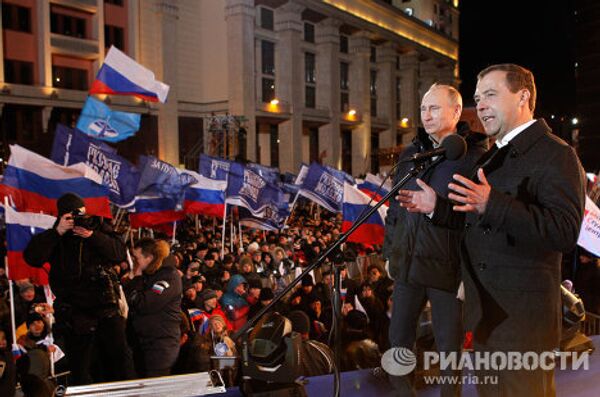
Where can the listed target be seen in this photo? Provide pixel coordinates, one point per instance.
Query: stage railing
(591, 324)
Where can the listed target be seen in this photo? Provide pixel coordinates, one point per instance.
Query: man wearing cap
(316, 358)
(87, 296)
(24, 301)
(210, 306)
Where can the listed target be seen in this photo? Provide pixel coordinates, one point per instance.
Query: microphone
(453, 147)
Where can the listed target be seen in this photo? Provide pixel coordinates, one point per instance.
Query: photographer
(81, 251)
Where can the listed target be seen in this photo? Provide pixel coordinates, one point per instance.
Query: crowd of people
(185, 297)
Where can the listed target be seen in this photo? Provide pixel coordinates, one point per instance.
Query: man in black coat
(86, 288)
(424, 259)
(519, 212)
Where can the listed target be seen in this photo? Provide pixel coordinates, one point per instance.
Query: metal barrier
(591, 324)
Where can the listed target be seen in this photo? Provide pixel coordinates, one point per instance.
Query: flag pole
(12, 305)
(231, 234)
(197, 223)
(241, 241)
(291, 210)
(174, 232)
(223, 232)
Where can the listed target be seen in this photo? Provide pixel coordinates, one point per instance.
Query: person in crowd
(316, 358)
(359, 351)
(424, 259)
(236, 301)
(8, 377)
(382, 285)
(154, 295)
(25, 300)
(520, 210)
(82, 251)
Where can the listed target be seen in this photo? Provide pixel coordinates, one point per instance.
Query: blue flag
(273, 218)
(161, 179)
(99, 121)
(246, 188)
(268, 173)
(214, 167)
(324, 186)
(119, 175)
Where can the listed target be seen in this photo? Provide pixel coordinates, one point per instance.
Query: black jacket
(419, 252)
(154, 306)
(512, 253)
(75, 264)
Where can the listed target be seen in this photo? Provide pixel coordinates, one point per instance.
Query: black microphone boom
(453, 147)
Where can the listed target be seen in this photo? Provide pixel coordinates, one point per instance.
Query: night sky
(535, 34)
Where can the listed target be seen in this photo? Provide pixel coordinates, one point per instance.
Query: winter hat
(208, 294)
(300, 321)
(357, 320)
(69, 202)
(266, 294)
(25, 286)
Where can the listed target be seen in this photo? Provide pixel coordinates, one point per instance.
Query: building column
(327, 38)
(44, 56)
(409, 93)
(428, 74)
(386, 90)
(289, 87)
(168, 128)
(360, 48)
(239, 15)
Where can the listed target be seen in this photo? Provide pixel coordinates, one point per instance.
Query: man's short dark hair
(517, 78)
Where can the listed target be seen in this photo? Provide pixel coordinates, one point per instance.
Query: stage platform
(579, 383)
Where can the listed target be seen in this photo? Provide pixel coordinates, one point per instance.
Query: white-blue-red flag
(34, 183)
(355, 203)
(121, 75)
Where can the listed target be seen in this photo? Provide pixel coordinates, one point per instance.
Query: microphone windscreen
(456, 147)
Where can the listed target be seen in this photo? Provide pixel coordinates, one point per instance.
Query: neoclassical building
(337, 81)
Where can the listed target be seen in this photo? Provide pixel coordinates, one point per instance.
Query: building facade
(280, 82)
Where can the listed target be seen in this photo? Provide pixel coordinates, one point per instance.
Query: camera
(85, 221)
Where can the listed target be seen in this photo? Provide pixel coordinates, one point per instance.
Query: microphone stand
(419, 167)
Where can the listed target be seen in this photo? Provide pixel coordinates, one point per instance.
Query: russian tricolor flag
(121, 75)
(207, 196)
(20, 227)
(153, 211)
(354, 203)
(372, 187)
(35, 183)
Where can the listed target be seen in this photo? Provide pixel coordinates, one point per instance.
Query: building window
(309, 32)
(267, 51)
(344, 44)
(274, 135)
(266, 19)
(310, 80)
(268, 89)
(344, 75)
(397, 62)
(72, 78)
(398, 98)
(374, 152)
(67, 25)
(309, 68)
(347, 151)
(373, 92)
(313, 144)
(18, 72)
(113, 35)
(344, 102)
(311, 96)
(15, 17)
(114, 2)
(373, 57)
